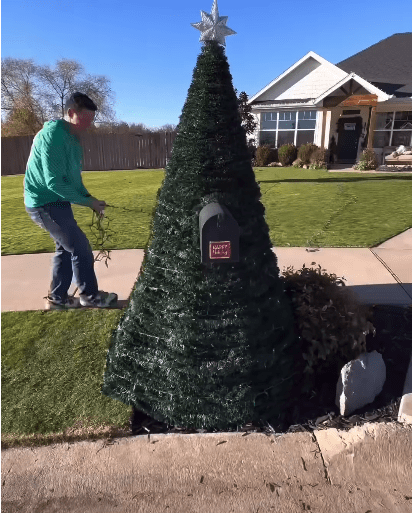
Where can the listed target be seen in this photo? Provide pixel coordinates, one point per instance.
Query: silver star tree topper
(213, 27)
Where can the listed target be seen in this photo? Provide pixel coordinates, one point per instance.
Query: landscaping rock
(360, 381)
(405, 409)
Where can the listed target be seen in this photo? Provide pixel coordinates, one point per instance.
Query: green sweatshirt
(53, 171)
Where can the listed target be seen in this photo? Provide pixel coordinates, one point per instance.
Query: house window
(285, 137)
(307, 120)
(287, 127)
(287, 120)
(304, 137)
(393, 129)
(268, 137)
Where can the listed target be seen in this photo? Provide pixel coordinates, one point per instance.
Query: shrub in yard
(367, 161)
(287, 153)
(305, 152)
(318, 159)
(264, 155)
(330, 320)
(297, 163)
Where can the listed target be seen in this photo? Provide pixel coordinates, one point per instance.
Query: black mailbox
(219, 235)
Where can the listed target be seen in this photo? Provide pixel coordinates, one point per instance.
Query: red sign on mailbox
(219, 235)
(219, 250)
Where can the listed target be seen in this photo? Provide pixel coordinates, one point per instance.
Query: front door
(349, 130)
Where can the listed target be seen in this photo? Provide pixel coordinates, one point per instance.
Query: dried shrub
(297, 163)
(368, 161)
(305, 152)
(318, 159)
(264, 155)
(330, 320)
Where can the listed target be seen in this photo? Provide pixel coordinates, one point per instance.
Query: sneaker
(52, 304)
(100, 300)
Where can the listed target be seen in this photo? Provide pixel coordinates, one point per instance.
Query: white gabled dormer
(305, 81)
(364, 86)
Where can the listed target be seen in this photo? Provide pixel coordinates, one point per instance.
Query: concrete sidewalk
(380, 275)
(366, 469)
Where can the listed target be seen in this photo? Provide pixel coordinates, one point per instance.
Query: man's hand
(98, 206)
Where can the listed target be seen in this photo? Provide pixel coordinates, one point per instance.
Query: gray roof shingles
(387, 64)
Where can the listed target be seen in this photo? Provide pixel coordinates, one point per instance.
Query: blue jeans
(73, 251)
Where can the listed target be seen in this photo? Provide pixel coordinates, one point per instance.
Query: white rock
(360, 381)
(405, 409)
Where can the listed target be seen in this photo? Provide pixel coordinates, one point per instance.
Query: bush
(367, 161)
(297, 163)
(287, 153)
(330, 320)
(305, 152)
(264, 155)
(318, 159)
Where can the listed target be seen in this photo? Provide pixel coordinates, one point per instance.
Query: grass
(53, 362)
(303, 208)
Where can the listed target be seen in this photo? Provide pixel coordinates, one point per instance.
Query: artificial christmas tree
(207, 340)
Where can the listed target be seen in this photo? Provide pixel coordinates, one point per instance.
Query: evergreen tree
(206, 345)
(245, 109)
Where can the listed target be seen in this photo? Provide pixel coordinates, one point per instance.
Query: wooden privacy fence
(101, 152)
(14, 154)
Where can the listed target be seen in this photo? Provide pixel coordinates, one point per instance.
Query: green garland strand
(103, 235)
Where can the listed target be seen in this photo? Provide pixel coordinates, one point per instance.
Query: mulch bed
(393, 340)
(391, 168)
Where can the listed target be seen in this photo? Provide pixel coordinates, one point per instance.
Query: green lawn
(303, 208)
(53, 362)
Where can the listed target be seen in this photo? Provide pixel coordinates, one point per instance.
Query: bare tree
(65, 80)
(42, 92)
(140, 128)
(133, 128)
(19, 88)
(168, 128)
(33, 94)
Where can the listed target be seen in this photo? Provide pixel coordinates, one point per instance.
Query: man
(52, 182)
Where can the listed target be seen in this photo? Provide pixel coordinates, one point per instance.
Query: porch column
(372, 125)
(322, 136)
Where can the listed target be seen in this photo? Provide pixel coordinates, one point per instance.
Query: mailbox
(219, 235)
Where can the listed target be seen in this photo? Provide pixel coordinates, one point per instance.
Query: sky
(148, 49)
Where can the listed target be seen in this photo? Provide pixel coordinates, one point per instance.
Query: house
(363, 101)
